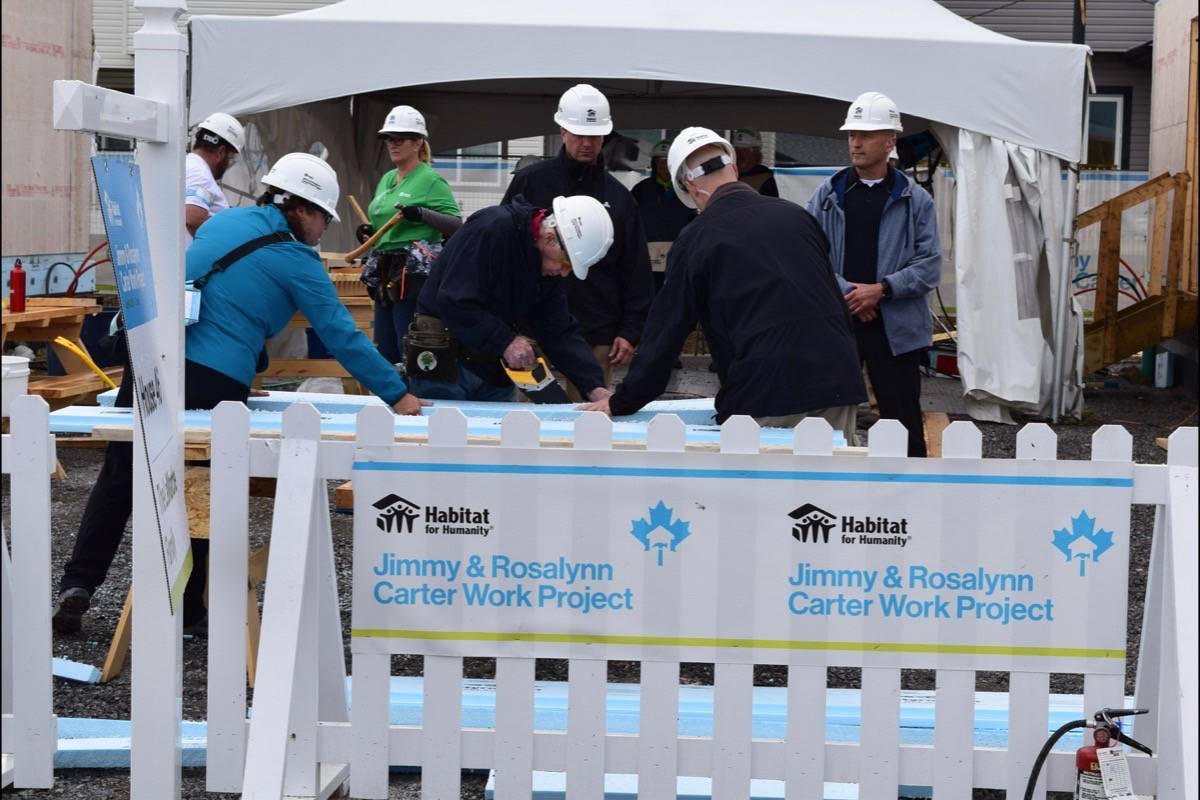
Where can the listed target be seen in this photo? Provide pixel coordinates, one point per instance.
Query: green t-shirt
(421, 187)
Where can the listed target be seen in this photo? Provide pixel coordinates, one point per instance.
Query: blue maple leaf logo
(661, 532)
(1083, 542)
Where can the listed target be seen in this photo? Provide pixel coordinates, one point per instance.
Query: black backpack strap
(239, 252)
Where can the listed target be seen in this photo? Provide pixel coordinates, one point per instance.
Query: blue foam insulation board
(483, 419)
(102, 743)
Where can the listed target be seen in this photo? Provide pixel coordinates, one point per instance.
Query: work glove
(412, 213)
(364, 232)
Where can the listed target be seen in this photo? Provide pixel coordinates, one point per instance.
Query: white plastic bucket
(15, 380)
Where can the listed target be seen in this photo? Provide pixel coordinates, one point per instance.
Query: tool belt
(430, 351)
(395, 275)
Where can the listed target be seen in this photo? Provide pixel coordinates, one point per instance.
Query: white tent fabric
(1008, 276)
(1005, 110)
(936, 65)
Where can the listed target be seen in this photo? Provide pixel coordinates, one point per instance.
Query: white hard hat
(586, 230)
(745, 137)
(661, 149)
(225, 127)
(583, 110)
(872, 111)
(404, 119)
(306, 176)
(687, 142)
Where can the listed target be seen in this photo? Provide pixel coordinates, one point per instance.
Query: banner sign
(120, 186)
(772, 558)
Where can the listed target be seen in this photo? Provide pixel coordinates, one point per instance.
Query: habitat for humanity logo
(813, 525)
(396, 515)
(1083, 543)
(399, 515)
(661, 532)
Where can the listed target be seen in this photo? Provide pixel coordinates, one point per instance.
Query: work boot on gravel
(70, 608)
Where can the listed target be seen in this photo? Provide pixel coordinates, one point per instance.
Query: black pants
(111, 502)
(895, 379)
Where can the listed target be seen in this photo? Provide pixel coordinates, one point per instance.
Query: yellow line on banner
(745, 644)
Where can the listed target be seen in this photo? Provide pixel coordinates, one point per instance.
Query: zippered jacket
(910, 254)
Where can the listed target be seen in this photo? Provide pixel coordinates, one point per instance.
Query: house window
(1105, 131)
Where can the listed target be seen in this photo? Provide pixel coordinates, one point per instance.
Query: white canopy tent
(484, 72)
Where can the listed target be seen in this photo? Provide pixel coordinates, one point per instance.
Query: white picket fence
(29, 728)
(304, 741)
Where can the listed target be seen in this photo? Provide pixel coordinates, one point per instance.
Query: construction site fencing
(29, 727)
(305, 737)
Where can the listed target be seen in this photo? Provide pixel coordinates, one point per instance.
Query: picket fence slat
(805, 771)
(32, 460)
(441, 750)
(229, 544)
(514, 728)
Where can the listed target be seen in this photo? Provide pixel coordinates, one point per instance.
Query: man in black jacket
(499, 280)
(755, 272)
(611, 305)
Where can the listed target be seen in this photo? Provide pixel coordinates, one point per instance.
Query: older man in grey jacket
(884, 246)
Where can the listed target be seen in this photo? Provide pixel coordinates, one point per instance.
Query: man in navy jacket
(500, 279)
(755, 272)
(611, 305)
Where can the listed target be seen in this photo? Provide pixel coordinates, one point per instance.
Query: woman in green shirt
(396, 269)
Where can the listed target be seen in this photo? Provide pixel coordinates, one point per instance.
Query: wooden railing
(1169, 278)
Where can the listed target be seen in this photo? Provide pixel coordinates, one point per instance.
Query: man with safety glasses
(497, 284)
(754, 271)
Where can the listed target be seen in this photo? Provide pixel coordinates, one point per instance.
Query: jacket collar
(581, 173)
(901, 185)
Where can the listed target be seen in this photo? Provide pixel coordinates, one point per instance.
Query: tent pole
(1062, 365)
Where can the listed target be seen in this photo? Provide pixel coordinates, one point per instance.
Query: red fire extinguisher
(1088, 783)
(16, 285)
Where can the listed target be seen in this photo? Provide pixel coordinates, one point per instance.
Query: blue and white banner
(970, 564)
(119, 184)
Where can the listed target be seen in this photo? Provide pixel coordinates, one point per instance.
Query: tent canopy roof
(774, 64)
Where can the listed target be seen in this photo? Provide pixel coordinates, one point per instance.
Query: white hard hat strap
(713, 164)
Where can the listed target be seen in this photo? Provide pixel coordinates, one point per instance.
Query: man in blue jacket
(884, 245)
(498, 282)
(754, 271)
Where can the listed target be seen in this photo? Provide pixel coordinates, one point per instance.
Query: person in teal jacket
(397, 267)
(252, 298)
(255, 267)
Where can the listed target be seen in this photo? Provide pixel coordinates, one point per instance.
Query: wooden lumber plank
(1138, 327)
(59, 387)
(1190, 157)
(936, 423)
(87, 303)
(118, 649)
(1138, 194)
(343, 497)
(1108, 280)
(1175, 256)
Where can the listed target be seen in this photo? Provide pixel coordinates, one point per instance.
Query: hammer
(375, 237)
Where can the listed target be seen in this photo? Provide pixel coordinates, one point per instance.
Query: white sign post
(155, 115)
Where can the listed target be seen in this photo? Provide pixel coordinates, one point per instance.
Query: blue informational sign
(120, 186)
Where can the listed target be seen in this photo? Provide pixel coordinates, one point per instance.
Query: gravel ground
(1147, 413)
